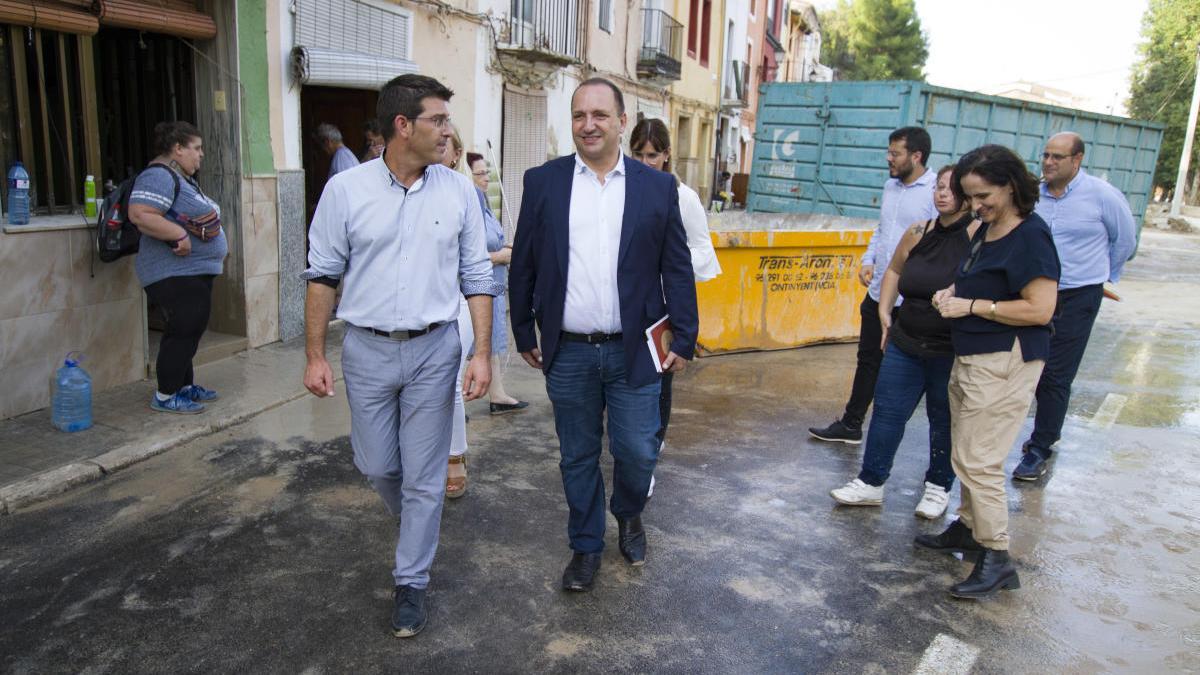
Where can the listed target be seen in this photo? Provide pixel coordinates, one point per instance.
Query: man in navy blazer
(600, 254)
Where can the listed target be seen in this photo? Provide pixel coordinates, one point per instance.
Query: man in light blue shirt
(341, 158)
(405, 234)
(1095, 234)
(907, 199)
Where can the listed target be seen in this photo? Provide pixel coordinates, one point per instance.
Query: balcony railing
(737, 85)
(544, 30)
(662, 46)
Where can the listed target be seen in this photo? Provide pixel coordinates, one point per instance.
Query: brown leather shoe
(456, 486)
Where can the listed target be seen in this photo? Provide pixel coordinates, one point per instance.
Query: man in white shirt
(600, 255)
(907, 199)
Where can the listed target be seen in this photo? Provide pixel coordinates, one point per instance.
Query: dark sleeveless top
(920, 329)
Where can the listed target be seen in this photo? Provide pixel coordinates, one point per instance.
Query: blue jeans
(1073, 318)
(903, 379)
(583, 382)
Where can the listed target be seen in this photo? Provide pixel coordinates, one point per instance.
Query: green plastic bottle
(89, 196)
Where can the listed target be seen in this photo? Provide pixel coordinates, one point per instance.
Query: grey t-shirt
(156, 260)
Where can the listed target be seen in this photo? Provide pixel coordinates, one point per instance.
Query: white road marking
(1109, 410)
(947, 656)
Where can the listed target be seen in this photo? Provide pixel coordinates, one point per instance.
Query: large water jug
(72, 396)
(18, 195)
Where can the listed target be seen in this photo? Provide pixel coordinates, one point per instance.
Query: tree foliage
(874, 40)
(1162, 79)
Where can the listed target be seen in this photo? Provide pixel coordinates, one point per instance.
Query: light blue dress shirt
(902, 206)
(406, 255)
(343, 160)
(1093, 230)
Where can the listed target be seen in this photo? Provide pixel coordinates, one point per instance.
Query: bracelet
(992, 311)
(971, 309)
(185, 236)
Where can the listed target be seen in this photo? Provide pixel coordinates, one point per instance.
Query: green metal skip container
(819, 146)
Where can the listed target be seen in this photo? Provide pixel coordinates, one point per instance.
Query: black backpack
(116, 235)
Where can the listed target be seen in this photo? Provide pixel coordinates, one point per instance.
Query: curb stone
(57, 481)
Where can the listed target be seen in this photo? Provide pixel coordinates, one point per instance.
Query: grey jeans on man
(401, 395)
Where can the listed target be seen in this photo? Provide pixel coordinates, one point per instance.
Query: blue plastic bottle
(72, 397)
(18, 195)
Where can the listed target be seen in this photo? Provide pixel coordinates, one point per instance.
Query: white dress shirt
(592, 304)
(406, 255)
(695, 223)
(903, 206)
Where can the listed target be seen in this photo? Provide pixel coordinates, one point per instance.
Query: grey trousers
(401, 396)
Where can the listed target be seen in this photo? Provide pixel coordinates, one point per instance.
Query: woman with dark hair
(650, 144)
(1000, 305)
(917, 355)
(182, 250)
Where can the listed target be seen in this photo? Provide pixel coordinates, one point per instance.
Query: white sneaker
(858, 493)
(933, 502)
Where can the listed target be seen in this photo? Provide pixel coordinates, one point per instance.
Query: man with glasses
(405, 234)
(907, 199)
(1094, 233)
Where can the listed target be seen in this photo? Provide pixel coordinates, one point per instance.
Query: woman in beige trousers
(1000, 304)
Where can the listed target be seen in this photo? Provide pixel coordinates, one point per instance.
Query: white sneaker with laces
(858, 493)
(933, 503)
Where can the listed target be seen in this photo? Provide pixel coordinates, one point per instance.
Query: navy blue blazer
(654, 266)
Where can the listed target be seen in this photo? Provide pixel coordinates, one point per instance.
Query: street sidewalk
(38, 461)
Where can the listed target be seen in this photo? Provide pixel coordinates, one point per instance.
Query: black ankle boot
(993, 571)
(955, 539)
(631, 539)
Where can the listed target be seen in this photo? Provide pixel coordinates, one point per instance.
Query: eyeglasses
(1057, 157)
(479, 174)
(439, 121)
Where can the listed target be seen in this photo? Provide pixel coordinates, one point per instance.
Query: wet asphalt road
(261, 549)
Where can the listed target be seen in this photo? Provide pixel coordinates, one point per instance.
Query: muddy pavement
(261, 548)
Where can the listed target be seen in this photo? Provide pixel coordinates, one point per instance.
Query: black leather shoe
(505, 408)
(993, 571)
(955, 539)
(408, 614)
(631, 539)
(581, 572)
(838, 432)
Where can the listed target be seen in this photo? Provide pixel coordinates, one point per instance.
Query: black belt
(590, 338)
(403, 334)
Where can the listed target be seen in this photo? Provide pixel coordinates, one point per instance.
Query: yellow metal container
(782, 289)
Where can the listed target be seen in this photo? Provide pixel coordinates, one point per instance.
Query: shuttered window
(355, 26)
(523, 147)
(351, 43)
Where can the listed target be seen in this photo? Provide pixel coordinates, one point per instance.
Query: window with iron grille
(42, 105)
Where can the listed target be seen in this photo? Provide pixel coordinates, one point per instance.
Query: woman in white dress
(650, 144)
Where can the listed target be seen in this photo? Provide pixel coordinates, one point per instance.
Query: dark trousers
(1073, 319)
(664, 406)
(585, 383)
(186, 303)
(869, 358)
(903, 380)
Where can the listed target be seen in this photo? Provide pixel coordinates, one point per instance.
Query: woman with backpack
(182, 249)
